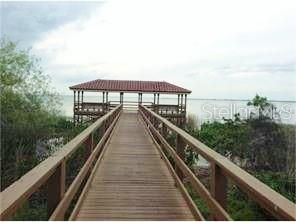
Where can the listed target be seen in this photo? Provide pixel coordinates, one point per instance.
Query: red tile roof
(129, 86)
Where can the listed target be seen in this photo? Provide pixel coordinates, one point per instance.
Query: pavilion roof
(130, 86)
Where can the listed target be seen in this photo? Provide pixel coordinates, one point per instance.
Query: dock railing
(52, 171)
(222, 170)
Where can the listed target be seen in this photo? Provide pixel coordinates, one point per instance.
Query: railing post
(218, 185)
(180, 149)
(101, 130)
(164, 131)
(88, 146)
(56, 187)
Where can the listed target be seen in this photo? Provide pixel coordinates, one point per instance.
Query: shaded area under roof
(129, 86)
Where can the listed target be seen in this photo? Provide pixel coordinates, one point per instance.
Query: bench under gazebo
(86, 111)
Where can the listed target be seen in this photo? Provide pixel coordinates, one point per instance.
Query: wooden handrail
(52, 170)
(218, 211)
(222, 168)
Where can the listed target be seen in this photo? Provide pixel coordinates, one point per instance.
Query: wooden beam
(158, 99)
(181, 103)
(89, 144)
(180, 149)
(218, 185)
(185, 105)
(56, 187)
(78, 106)
(74, 107)
(121, 97)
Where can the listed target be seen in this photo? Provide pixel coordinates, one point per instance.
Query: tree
(28, 110)
(265, 109)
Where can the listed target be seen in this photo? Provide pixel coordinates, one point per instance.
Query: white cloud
(185, 42)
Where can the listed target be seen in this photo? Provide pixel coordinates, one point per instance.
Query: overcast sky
(217, 49)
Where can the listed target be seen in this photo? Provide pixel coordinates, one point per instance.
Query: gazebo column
(107, 102)
(181, 103)
(158, 99)
(139, 98)
(121, 97)
(154, 102)
(103, 105)
(78, 98)
(157, 102)
(74, 120)
(78, 106)
(81, 119)
(178, 102)
(185, 103)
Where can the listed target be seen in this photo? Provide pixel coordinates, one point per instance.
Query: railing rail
(221, 170)
(52, 171)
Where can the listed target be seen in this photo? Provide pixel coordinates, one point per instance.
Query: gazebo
(85, 111)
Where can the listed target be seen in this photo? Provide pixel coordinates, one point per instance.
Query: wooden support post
(56, 187)
(121, 97)
(218, 185)
(158, 99)
(81, 97)
(101, 131)
(74, 108)
(78, 106)
(164, 131)
(181, 103)
(180, 149)
(157, 107)
(185, 103)
(88, 146)
(78, 99)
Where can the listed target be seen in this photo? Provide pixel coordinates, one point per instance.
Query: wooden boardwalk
(126, 179)
(132, 182)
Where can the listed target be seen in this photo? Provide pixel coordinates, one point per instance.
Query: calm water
(203, 109)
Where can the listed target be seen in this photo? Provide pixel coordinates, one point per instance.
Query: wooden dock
(132, 181)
